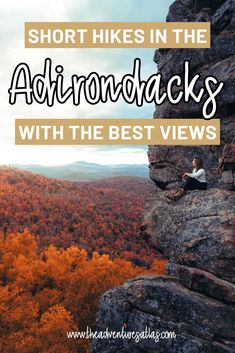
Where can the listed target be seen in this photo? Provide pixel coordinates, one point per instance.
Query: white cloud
(119, 61)
(61, 155)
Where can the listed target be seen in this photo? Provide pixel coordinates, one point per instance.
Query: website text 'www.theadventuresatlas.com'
(136, 336)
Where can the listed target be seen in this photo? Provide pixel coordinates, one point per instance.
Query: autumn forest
(62, 245)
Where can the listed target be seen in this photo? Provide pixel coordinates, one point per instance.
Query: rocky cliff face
(167, 163)
(196, 299)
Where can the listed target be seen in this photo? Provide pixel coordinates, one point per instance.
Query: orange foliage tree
(44, 294)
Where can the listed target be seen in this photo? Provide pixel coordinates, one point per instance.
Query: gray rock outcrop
(167, 163)
(196, 299)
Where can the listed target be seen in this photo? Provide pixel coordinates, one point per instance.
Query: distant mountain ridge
(84, 171)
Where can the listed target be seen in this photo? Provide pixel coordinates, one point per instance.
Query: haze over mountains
(83, 171)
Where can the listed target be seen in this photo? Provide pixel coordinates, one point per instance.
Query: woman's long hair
(199, 163)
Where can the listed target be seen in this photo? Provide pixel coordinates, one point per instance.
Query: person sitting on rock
(192, 181)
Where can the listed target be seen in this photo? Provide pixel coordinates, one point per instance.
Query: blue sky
(80, 61)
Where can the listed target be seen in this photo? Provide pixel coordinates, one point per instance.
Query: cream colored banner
(117, 132)
(117, 34)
